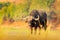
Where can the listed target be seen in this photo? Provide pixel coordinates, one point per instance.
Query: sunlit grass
(21, 31)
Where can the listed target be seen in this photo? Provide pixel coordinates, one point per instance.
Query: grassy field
(21, 31)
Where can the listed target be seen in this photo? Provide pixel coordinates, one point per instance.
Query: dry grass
(21, 31)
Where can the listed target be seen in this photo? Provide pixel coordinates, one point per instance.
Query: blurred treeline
(12, 11)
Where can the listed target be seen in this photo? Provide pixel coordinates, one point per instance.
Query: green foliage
(1, 6)
(7, 4)
(50, 2)
(14, 11)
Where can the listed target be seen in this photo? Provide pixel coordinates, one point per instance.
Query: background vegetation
(12, 11)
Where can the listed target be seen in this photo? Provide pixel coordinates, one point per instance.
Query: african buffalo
(37, 19)
(34, 23)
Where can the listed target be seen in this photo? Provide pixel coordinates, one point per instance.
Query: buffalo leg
(39, 29)
(44, 25)
(31, 30)
(35, 29)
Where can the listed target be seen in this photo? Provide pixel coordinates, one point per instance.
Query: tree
(27, 7)
(1, 5)
(5, 6)
(50, 3)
